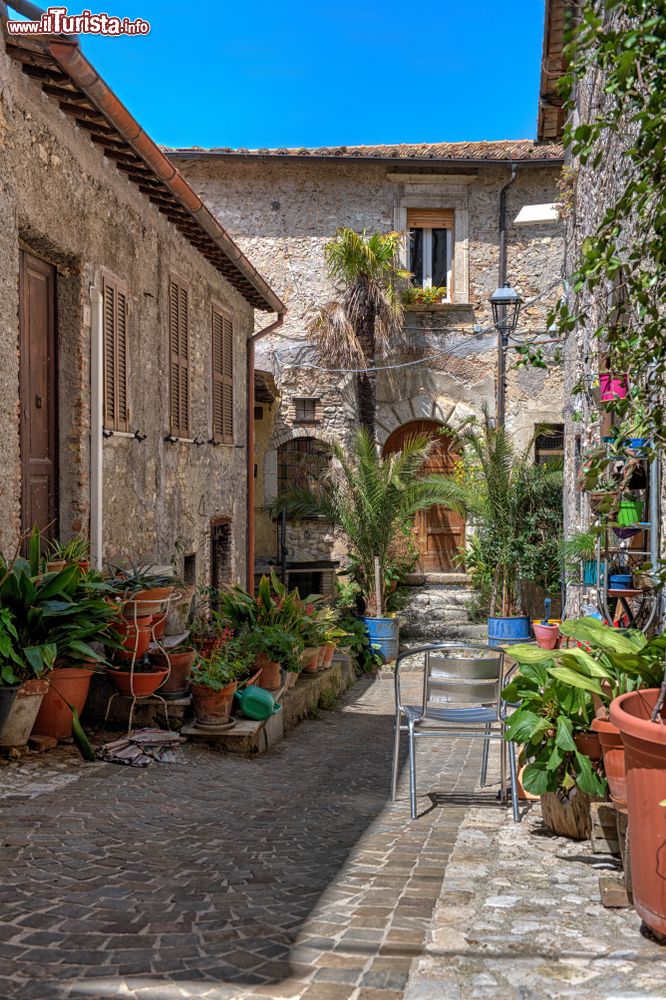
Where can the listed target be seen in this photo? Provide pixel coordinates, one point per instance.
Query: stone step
(443, 632)
(419, 579)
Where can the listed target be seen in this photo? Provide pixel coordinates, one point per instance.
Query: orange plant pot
(135, 637)
(612, 750)
(212, 708)
(271, 676)
(180, 665)
(139, 685)
(310, 659)
(67, 686)
(329, 651)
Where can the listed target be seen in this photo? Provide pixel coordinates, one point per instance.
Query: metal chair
(462, 685)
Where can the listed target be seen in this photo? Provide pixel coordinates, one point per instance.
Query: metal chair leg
(503, 793)
(412, 769)
(514, 783)
(396, 758)
(484, 758)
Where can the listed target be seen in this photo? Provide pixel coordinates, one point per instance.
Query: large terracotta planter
(310, 659)
(612, 750)
(18, 724)
(645, 753)
(271, 676)
(180, 667)
(67, 686)
(140, 684)
(135, 637)
(213, 708)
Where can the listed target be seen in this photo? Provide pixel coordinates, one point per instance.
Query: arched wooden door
(439, 532)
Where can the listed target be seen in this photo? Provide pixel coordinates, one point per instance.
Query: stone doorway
(439, 532)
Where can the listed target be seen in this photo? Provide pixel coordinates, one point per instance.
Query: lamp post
(505, 303)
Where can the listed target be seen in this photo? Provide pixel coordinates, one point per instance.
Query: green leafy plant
(423, 296)
(233, 661)
(76, 550)
(357, 644)
(127, 580)
(273, 605)
(279, 645)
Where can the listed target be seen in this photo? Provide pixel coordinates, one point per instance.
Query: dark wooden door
(38, 395)
(440, 532)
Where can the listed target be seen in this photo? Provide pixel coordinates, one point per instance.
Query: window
(549, 445)
(179, 348)
(301, 462)
(430, 248)
(307, 411)
(116, 412)
(223, 378)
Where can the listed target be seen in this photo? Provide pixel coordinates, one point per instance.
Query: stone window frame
(443, 191)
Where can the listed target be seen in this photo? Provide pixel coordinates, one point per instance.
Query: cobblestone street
(288, 875)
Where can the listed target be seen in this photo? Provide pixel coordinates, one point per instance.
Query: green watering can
(257, 703)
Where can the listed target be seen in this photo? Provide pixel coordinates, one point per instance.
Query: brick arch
(423, 406)
(285, 433)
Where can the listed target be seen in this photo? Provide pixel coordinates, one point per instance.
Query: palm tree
(351, 332)
(371, 499)
(497, 489)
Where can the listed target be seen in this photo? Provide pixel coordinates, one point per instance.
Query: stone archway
(440, 533)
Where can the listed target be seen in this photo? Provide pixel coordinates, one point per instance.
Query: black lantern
(506, 303)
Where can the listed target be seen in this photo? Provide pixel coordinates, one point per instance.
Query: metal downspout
(502, 339)
(249, 530)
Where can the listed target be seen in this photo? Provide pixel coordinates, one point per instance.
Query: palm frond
(332, 333)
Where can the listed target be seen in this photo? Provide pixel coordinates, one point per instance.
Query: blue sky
(297, 73)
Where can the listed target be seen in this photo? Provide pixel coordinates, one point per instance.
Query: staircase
(437, 612)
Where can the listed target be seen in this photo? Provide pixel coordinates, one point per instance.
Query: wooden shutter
(179, 376)
(223, 378)
(430, 218)
(116, 410)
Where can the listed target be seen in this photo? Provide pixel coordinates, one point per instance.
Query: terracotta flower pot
(547, 636)
(271, 676)
(7, 697)
(589, 744)
(21, 718)
(645, 750)
(67, 686)
(310, 659)
(159, 624)
(212, 708)
(180, 667)
(55, 565)
(321, 654)
(329, 650)
(140, 684)
(147, 602)
(612, 750)
(134, 636)
(292, 677)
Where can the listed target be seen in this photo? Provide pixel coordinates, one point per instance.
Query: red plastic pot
(140, 684)
(645, 750)
(67, 686)
(612, 386)
(612, 750)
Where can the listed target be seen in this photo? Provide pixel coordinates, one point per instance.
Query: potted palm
(371, 498)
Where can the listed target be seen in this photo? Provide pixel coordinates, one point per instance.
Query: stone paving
(286, 875)
(520, 918)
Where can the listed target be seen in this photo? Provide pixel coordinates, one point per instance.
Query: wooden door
(38, 395)
(440, 532)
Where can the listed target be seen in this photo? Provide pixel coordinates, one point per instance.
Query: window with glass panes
(430, 248)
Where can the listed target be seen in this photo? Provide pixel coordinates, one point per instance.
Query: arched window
(302, 462)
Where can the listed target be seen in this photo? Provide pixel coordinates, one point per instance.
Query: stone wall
(61, 199)
(282, 213)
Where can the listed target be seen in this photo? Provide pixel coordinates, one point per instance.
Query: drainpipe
(502, 339)
(96, 427)
(249, 550)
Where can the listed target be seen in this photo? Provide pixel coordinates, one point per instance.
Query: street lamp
(505, 303)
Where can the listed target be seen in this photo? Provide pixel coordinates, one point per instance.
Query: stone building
(126, 312)
(282, 206)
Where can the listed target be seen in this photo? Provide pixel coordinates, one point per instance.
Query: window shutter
(223, 384)
(430, 218)
(179, 380)
(116, 410)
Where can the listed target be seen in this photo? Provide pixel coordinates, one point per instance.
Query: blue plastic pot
(507, 631)
(384, 635)
(620, 581)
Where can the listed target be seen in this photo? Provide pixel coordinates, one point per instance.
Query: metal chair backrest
(462, 674)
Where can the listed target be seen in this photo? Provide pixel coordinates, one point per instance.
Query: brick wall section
(60, 198)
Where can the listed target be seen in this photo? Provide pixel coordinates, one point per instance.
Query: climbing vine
(619, 281)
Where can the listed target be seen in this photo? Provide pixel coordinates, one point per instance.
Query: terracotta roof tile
(518, 149)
